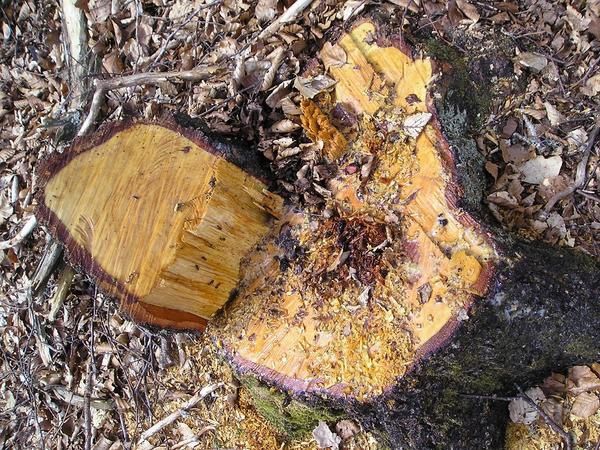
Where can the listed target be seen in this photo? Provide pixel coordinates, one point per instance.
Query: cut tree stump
(391, 307)
(159, 216)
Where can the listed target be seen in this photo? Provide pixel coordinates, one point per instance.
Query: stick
(579, 174)
(46, 266)
(288, 16)
(64, 285)
(181, 411)
(77, 51)
(21, 235)
(551, 423)
(103, 86)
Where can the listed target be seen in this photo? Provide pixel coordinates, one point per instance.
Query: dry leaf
(592, 86)
(325, 437)
(333, 56)
(521, 411)
(554, 116)
(585, 405)
(265, 10)
(533, 61)
(284, 126)
(309, 87)
(536, 170)
(582, 379)
(346, 429)
(468, 10)
(414, 124)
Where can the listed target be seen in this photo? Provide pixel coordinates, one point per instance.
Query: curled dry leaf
(333, 56)
(309, 87)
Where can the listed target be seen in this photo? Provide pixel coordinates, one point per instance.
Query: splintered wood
(356, 299)
(160, 220)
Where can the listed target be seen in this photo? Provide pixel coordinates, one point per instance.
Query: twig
(87, 408)
(181, 411)
(288, 16)
(551, 423)
(64, 285)
(21, 235)
(489, 397)
(46, 266)
(579, 174)
(103, 86)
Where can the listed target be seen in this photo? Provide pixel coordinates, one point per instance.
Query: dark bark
(543, 316)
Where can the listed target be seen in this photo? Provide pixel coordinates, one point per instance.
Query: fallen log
(394, 307)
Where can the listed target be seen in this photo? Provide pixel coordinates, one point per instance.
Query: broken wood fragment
(153, 213)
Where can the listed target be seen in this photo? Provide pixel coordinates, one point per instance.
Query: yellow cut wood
(164, 221)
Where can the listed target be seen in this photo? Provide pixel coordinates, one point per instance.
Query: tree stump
(390, 307)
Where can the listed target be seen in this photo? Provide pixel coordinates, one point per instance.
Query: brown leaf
(309, 87)
(585, 405)
(468, 10)
(265, 10)
(333, 56)
(533, 61)
(536, 170)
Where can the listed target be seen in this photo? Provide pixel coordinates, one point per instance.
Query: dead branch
(78, 55)
(181, 411)
(64, 285)
(46, 266)
(103, 86)
(288, 16)
(28, 227)
(579, 174)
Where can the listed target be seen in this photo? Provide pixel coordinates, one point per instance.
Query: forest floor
(77, 371)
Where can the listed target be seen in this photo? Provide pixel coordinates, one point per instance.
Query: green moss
(290, 416)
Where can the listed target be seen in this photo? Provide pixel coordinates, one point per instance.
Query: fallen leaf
(521, 411)
(265, 10)
(585, 404)
(284, 126)
(333, 56)
(414, 124)
(468, 10)
(536, 170)
(592, 86)
(554, 116)
(533, 61)
(325, 437)
(309, 87)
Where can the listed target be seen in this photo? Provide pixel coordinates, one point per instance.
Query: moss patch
(289, 416)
